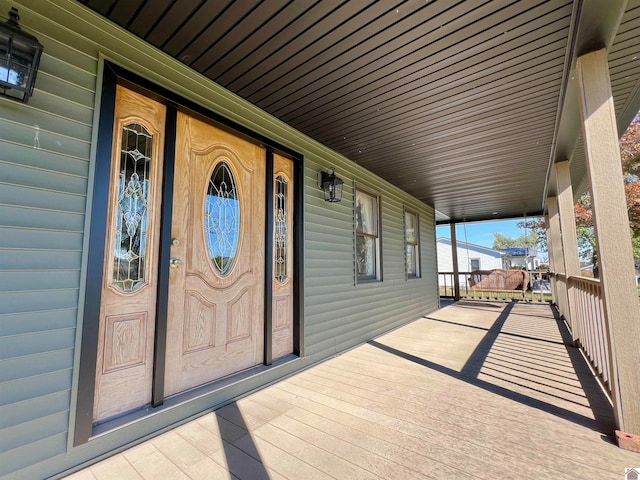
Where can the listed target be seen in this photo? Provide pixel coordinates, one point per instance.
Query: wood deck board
(467, 392)
(424, 446)
(472, 430)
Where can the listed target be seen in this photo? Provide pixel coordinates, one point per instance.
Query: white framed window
(412, 244)
(367, 229)
(475, 264)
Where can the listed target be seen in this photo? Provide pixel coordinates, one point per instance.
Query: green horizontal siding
(59, 63)
(40, 238)
(335, 275)
(13, 346)
(71, 124)
(65, 110)
(38, 321)
(339, 313)
(49, 161)
(37, 198)
(27, 455)
(26, 433)
(32, 136)
(342, 251)
(50, 259)
(35, 386)
(37, 364)
(42, 218)
(50, 81)
(22, 412)
(37, 300)
(29, 280)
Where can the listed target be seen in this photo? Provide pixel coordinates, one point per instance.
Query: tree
(536, 226)
(630, 148)
(525, 240)
(584, 228)
(630, 156)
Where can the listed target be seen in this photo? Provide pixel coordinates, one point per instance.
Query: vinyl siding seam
(41, 209)
(46, 151)
(44, 72)
(44, 190)
(52, 133)
(48, 290)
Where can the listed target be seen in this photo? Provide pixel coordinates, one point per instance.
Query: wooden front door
(216, 287)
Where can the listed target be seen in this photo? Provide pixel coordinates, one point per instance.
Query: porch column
(569, 236)
(552, 268)
(615, 256)
(454, 260)
(555, 246)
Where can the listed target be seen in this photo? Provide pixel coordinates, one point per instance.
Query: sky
(481, 233)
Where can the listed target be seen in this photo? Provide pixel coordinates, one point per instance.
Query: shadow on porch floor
(474, 390)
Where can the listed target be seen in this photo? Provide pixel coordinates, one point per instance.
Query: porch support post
(569, 236)
(552, 267)
(615, 256)
(562, 300)
(454, 262)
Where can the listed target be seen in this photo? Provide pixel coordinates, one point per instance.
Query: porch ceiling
(456, 102)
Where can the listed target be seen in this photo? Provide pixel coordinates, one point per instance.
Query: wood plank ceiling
(453, 101)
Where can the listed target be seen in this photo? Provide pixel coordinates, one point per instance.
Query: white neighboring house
(471, 257)
(521, 257)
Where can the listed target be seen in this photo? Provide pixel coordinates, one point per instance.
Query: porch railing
(589, 324)
(445, 281)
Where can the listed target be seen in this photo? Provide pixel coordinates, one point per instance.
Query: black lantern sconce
(331, 185)
(19, 59)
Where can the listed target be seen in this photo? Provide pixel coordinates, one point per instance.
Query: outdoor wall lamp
(331, 185)
(19, 59)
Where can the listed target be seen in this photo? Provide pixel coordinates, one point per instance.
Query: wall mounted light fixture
(19, 59)
(331, 185)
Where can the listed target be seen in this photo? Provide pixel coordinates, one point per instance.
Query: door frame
(114, 75)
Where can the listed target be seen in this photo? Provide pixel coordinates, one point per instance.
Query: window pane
(410, 227)
(366, 214)
(411, 260)
(222, 218)
(133, 200)
(280, 229)
(365, 257)
(475, 264)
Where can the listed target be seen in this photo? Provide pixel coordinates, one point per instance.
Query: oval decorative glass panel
(222, 218)
(280, 229)
(131, 223)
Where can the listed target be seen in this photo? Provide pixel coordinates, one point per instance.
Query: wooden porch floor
(474, 390)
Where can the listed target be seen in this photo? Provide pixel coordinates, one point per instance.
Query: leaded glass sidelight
(131, 225)
(281, 220)
(222, 218)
